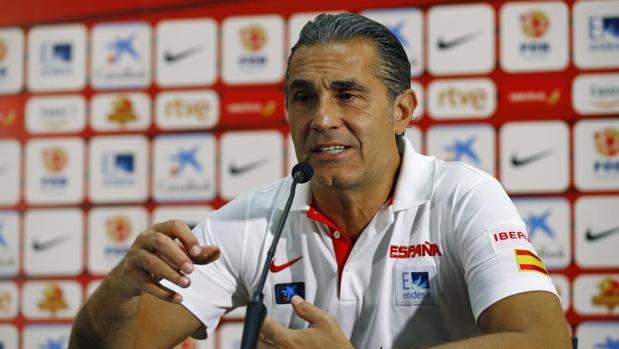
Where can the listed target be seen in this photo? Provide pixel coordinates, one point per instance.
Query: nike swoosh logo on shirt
(177, 56)
(237, 170)
(39, 246)
(518, 161)
(591, 236)
(277, 268)
(447, 44)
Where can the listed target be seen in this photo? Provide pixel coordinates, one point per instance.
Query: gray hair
(393, 68)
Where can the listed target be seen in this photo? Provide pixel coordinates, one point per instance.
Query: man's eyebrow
(344, 85)
(299, 85)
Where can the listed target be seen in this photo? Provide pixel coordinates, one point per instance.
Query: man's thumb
(307, 311)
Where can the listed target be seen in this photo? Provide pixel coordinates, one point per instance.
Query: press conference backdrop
(113, 120)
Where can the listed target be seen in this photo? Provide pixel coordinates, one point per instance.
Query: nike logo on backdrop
(517, 161)
(39, 246)
(447, 44)
(591, 236)
(277, 268)
(237, 170)
(177, 56)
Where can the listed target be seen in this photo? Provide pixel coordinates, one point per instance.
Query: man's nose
(327, 115)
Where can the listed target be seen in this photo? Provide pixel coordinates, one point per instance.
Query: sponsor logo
(529, 261)
(122, 47)
(4, 51)
(413, 285)
(518, 161)
(539, 223)
(546, 97)
(237, 170)
(122, 111)
(118, 229)
(53, 300)
(264, 109)
(55, 160)
(604, 96)
(118, 169)
(183, 109)
(183, 159)
(277, 268)
(120, 55)
(253, 38)
(46, 114)
(443, 44)
(603, 33)
(53, 343)
(609, 343)
(56, 58)
(460, 150)
(6, 300)
(453, 97)
(608, 295)
(534, 25)
(510, 235)
(6, 255)
(40, 246)
(7, 118)
(607, 146)
(592, 236)
(173, 57)
(414, 251)
(285, 292)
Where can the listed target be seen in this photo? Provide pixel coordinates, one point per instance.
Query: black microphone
(256, 311)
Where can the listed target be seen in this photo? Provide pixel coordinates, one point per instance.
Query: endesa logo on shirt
(245, 107)
(533, 97)
(413, 284)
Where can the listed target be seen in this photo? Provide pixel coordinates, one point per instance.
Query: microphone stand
(256, 311)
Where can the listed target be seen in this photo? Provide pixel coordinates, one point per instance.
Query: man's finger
(208, 254)
(308, 311)
(272, 330)
(179, 229)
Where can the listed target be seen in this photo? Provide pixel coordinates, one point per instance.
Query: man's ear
(404, 107)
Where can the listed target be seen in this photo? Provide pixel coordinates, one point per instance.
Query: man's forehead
(329, 83)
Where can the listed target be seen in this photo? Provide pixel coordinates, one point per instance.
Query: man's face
(341, 119)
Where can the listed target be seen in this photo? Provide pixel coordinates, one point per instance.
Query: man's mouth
(329, 149)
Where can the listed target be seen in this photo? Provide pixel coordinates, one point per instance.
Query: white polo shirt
(448, 245)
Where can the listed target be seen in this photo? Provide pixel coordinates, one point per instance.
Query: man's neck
(352, 210)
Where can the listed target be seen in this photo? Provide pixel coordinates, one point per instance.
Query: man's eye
(302, 97)
(345, 96)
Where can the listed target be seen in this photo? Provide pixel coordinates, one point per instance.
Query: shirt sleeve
(494, 249)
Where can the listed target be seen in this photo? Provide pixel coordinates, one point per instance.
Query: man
(388, 248)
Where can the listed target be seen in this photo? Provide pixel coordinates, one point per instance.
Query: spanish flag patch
(529, 261)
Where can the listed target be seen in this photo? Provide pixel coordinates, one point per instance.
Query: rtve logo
(462, 99)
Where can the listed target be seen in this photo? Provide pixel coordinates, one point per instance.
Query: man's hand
(324, 331)
(165, 251)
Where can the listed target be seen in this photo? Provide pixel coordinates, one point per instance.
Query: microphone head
(302, 172)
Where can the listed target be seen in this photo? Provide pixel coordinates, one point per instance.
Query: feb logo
(55, 159)
(608, 294)
(534, 25)
(607, 145)
(253, 37)
(118, 228)
(122, 111)
(53, 300)
(4, 50)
